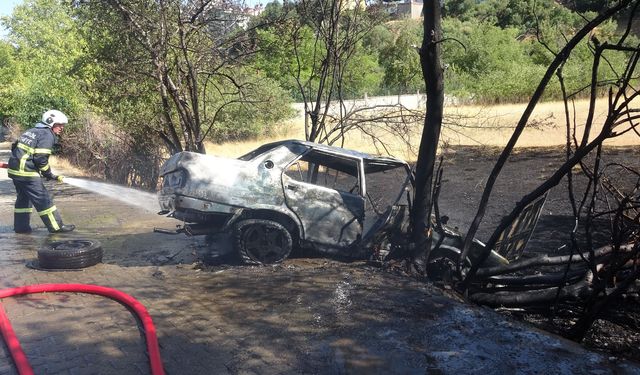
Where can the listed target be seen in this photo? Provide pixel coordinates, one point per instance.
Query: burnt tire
(262, 241)
(442, 265)
(70, 254)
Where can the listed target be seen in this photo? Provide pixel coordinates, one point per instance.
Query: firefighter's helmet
(53, 116)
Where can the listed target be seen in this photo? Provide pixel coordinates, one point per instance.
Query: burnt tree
(585, 277)
(432, 71)
(190, 53)
(588, 279)
(577, 155)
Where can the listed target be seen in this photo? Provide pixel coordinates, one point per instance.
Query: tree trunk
(432, 71)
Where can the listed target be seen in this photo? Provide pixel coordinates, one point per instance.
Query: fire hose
(20, 359)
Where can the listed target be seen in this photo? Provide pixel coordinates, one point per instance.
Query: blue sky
(6, 7)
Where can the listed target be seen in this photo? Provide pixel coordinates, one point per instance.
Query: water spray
(142, 199)
(138, 198)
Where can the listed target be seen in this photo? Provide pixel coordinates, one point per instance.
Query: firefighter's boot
(21, 219)
(64, 228)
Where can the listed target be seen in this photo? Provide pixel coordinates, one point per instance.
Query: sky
(6, 7)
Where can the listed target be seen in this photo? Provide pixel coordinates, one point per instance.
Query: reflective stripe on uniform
(23, 161)
(23, 210)
(32, 150)
(26, 148)
(52, 219)
(47, 211)
(29, 151)
(23, 173)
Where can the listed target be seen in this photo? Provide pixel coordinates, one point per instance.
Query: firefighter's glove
(55, 178)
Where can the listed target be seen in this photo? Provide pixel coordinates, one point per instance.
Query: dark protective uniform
(28, 163)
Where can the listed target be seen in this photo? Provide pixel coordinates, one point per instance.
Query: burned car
(297, 194)
(290, 194)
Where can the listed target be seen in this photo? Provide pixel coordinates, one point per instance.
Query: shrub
(487, 62)
(255, 116)
(102, 150)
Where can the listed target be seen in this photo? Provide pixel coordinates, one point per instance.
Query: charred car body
(287, 194)
(299, 194)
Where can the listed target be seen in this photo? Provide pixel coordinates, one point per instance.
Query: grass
(60, 164)
(475, 125)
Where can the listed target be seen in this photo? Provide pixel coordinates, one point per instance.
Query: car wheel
(442, 265)
(262, 241)
(70, 254)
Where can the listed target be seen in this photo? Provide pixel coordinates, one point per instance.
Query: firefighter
(29, 162)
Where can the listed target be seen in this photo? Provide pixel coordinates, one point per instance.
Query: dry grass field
(477, 126)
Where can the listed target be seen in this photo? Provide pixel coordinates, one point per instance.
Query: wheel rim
(442, 265)
(264, 243)
(72, 245)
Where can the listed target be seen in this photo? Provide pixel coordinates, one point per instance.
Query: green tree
(364, 74)
(401, 63)
(463, 10)
(9, 76)
(274, 12)
(240, 120)
(379, 36)
(276, 58)
(338, 31)
(48, 50)
(587, 5)
(521, 14)
(489, 62)
(186, 57)
(294, 58)
(552, 37)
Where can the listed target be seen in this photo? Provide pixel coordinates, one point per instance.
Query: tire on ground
(261, 241)
(70, 254)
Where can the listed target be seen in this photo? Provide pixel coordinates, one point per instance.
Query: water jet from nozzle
(142, 199)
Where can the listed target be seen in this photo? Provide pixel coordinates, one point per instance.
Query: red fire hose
(4, 165)
(20, 359)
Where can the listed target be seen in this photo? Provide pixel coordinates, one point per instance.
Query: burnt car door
(325, 192)
(389, 184)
